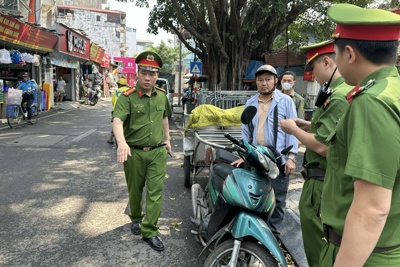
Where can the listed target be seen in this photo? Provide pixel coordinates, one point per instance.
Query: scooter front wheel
(251, 254)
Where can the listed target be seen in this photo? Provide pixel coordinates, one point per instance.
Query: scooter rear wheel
(250, 254)
(93, 101)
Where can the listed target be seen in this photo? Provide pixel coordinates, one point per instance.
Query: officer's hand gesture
(123, 152)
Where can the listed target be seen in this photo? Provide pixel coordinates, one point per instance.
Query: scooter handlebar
(233, 140)
(236, 142)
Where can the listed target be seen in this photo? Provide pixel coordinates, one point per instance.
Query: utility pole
(180, 73)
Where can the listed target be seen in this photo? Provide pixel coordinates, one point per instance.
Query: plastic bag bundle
(209, 115)
(14, 96)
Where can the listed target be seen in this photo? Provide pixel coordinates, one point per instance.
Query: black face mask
(324, 92)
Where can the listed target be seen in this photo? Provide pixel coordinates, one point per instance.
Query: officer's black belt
(146, 148)
(334, 238)
(316, 173)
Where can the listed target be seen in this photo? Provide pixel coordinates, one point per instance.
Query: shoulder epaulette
(129, 91)
(159, 88)
(358, 89)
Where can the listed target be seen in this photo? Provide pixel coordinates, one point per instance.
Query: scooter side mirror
(248, 114)
(287, 150)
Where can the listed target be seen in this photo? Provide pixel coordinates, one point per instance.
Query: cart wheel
(186, 171)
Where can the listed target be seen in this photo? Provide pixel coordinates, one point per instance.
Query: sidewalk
(65, 106)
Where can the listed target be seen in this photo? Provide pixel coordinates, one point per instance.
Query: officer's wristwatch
(293, 158)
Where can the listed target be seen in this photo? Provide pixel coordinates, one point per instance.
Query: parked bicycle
(16, 112)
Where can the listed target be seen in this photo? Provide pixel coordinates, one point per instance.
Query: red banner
(308, 76)
(20, 33)
(106, 60)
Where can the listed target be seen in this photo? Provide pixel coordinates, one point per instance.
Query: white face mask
(286, 86)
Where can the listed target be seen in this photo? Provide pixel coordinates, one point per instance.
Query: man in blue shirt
(273, 106)
(28, 88)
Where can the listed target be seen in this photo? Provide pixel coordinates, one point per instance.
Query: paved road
(63, 196)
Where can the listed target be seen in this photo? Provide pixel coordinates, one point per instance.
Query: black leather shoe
(135, 228)
(155, 243)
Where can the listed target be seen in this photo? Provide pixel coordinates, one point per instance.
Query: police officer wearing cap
(142, 132)
(272, 106)
(360, 206)
(28, 88)
(331, 105)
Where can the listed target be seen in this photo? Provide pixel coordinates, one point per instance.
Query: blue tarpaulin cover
(252, 66)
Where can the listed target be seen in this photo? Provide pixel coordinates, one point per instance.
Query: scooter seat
(222, 155)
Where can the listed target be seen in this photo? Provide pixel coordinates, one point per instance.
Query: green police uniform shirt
(366, 146)
(142, 116)
(325, 118)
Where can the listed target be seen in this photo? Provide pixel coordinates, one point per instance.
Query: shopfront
(72, 51)
(22, 48)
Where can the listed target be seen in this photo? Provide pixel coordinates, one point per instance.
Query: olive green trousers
(311, 224)
(146, 168)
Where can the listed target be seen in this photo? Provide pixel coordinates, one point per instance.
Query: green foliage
(168, 54)
(226, 33)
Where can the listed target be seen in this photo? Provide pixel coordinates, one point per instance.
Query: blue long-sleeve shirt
(286, 110)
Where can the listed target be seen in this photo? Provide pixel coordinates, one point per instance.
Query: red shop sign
(106, 60)
(20, 33)
(73, 43)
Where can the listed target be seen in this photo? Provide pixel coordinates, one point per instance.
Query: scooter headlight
(269, 166)
(263, 160)
(273, 169)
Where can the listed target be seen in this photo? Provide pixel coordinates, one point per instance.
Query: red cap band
(367, 32)
(312, 53)
(150, 63)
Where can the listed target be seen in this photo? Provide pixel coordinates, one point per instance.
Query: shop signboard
(62, 60)
(96, 53)
(128, 68)
(73, 43)
(26, 35)
(106, 60)
(128, 64)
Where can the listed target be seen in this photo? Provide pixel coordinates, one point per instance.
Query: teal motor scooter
(232, 212)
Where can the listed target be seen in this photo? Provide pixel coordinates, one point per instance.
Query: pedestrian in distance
(60, 90)
(331, 105)
(288, 80)
(28, 88)
(360, 206)
(272, 106)
(141, 129)
(122, 87)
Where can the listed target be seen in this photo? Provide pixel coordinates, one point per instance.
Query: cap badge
(335, 35)
(150, 57)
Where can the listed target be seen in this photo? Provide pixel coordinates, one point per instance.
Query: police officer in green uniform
(360, 206)
(331, 103)
(142, 132)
